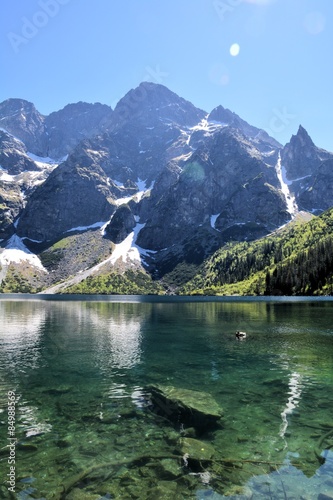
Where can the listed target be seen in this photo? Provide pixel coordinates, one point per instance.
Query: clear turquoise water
(80, 371)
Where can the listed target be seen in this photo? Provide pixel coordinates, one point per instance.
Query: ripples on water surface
(81, 371)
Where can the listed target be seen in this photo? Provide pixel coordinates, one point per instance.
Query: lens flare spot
(234, 49)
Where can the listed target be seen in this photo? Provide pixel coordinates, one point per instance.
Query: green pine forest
(295, 260)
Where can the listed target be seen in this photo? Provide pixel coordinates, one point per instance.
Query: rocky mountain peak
(227, 117)
(69, 125)
(20, 118)
(302, 138)
(15, 106)
(224, 115)
(151, 103)
(301, 156)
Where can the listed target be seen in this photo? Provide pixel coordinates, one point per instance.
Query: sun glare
(234, 49)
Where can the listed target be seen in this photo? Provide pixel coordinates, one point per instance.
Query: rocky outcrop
(317, 196)
(11, 203)
(13, 155)
(121, 224)
(75, 194)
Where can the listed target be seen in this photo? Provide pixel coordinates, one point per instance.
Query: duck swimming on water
(240, 335)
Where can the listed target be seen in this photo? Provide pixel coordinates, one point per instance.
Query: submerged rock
(169, 469)
(183, 406)
(195, 449)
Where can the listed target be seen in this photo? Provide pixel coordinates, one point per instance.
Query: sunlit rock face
(229, 179)
(13, 155)
(300, 156)
(174, 179)
(309, 171)
(75, 194)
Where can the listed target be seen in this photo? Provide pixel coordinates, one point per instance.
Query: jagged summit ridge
(165, 177)
(56, 134)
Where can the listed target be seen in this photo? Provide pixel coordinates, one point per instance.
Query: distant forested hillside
(297, 260)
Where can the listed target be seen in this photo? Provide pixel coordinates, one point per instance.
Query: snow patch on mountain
(128, 250)
(16, 252)
(96, 225)
(41, 159)
(46, 162)
(5, 176)
(292, 207)
(208, 125)
(213, 220)
(122, 201)
(142, 186)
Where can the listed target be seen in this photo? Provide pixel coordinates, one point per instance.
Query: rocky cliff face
(75, 122)
(300, 156)
(184, 182)
(13, 155)
(227, 186)
(309, 172)
(11, 202)
(75, 194)
(21, 119)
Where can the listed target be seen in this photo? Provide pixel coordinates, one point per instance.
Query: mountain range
(135, 193)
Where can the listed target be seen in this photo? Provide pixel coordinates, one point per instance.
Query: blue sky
(54, 52)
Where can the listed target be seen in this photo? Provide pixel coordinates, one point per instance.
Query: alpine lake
(146, 397)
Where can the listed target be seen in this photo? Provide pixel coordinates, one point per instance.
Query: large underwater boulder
(184, 406)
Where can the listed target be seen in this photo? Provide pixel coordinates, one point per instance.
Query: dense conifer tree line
(297, 260)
